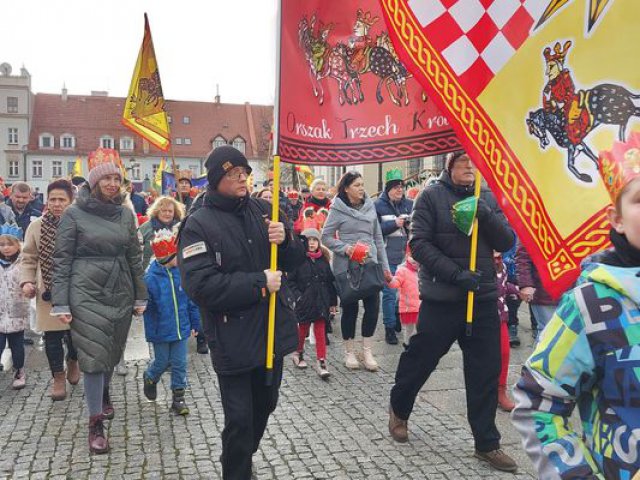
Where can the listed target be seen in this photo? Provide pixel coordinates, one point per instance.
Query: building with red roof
(65, 127)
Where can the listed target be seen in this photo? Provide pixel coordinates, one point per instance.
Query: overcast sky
(93, 45)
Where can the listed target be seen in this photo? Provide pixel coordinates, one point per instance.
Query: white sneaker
(19, 379)
(298, 360)
(322, 370)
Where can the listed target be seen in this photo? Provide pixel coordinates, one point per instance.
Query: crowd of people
(95, 255)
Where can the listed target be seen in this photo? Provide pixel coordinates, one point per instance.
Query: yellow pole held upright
(473, 257)
(275, 217)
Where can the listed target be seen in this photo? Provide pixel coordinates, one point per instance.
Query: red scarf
(314, 255)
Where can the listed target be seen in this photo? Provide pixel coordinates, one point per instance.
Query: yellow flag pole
(473, 257)
(271, 326)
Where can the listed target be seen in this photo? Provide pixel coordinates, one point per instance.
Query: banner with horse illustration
(534, 90)
(344, 96)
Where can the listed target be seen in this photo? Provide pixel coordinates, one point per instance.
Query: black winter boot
(150, 388)
(390, 336)
(201, 341)
(179, 406)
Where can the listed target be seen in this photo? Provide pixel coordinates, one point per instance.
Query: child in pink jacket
(406, 281)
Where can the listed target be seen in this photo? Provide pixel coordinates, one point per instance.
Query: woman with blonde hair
(98, 283)
(164, 213)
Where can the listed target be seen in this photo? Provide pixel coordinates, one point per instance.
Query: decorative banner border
(506, 176)
(296, 151)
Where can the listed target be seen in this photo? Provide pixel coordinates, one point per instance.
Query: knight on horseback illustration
(560, 93)
(361, 43)
(569, 115)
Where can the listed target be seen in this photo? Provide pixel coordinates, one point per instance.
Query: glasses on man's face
(236, 173)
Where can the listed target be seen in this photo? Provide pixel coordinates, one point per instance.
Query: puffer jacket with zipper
(170, 315)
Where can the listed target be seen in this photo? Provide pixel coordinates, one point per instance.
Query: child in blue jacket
(169, 320)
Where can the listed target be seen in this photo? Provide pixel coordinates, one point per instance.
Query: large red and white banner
(344, 96)
(534, 89)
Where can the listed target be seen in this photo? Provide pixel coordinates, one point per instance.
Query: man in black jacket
(224, 259)
(445, 280)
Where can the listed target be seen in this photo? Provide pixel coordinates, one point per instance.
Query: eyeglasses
(236, 173)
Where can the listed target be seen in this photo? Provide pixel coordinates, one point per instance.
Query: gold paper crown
(620, 165)
(559, 52)
(104, 155)
(187, 174)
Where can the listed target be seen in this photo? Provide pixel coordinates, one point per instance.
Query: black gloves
(468, 280)
(484, 210)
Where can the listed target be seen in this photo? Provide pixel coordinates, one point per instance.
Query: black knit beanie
(221, 160)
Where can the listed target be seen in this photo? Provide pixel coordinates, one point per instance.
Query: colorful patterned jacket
(589, 356)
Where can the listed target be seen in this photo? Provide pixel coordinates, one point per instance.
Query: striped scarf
(47, 245)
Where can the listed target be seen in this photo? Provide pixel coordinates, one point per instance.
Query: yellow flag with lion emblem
(144, 110)
(535, 90)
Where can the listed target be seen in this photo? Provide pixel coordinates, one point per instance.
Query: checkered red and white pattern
(477, 37)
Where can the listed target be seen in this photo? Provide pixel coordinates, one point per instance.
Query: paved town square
(321, 430)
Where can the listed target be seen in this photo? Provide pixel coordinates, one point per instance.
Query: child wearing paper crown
(14, 307)
(406, 281)
(169, 320)
(589, 352)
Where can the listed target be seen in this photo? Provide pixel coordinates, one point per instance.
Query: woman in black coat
(316, 298)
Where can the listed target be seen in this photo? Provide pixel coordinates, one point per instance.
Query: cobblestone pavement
(320, 430)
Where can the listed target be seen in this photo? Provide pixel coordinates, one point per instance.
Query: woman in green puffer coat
(98, 285)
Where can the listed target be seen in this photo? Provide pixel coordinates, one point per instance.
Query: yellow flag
(307, 173)
(77, 168)
(157, 181)
(144, 109)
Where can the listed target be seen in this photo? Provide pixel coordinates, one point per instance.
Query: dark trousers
(369, 319)
(54, 348)
(439, 325)
(513, 304)
(16, 344)
(247, 404)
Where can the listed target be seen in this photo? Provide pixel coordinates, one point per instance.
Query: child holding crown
(169, 320)
(589, 353)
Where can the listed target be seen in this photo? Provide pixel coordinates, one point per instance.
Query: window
(186, 120)
(12, 104)
(70, 166)
(13, 136)
(36, 169)
(106, 142)
(178, 141)
(46, 140)
(13, 168)
(169, 119)
(239, 144)
(155, 166)
(135, 171)
(57, 168)
(187, 141)
(195, 169)
(219, 141)
(126, 143)
(67, 141)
